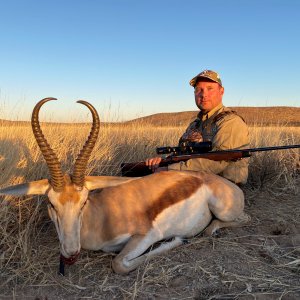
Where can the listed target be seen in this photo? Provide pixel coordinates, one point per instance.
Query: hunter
(216, 123)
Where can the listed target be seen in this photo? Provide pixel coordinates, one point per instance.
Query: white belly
(186, 218)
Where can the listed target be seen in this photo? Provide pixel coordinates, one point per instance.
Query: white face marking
(66, 213)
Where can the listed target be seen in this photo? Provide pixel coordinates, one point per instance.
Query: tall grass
(28, 243)
(275, 170)
(21, 160)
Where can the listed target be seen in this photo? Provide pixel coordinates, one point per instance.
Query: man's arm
(232, 133)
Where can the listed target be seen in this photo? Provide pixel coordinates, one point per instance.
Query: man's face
(208, 95)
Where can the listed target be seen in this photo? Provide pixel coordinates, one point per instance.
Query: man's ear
(39, 187)
(222, 90)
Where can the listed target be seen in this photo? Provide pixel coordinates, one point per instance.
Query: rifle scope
(186, 148)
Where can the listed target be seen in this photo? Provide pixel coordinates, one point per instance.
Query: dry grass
(261, 260)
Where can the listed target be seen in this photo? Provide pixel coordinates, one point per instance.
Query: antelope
(129, 215)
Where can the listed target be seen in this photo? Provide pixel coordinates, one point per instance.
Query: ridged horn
(57, 178)
(85, 153)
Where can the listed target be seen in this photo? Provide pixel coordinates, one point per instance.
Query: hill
(254, 116)
(258, 116)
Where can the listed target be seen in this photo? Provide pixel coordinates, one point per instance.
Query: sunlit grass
(27, 253)
(20, 157)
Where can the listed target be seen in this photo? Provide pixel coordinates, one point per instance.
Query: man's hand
(153, 163)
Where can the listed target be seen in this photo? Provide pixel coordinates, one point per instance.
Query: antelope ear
(98, 182)
(39, 187)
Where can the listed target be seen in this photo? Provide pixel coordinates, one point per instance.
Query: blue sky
(135, 58)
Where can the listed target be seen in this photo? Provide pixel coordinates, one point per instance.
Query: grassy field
(30, 250)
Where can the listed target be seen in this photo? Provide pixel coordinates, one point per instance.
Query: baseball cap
(212, 75)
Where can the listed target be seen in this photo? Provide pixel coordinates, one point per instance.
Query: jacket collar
(206, 116)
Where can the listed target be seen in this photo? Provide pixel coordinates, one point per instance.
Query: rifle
(138, 169)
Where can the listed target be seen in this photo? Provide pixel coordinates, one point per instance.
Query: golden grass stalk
(28, 242)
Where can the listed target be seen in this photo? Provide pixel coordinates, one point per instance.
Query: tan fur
(132, 214)
(69, 192)
(172, 195)
(123, 213)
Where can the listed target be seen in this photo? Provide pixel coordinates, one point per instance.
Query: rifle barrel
(272, 148)
(222, 154)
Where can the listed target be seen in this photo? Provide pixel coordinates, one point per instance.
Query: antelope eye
(82, 206)
(51, 205)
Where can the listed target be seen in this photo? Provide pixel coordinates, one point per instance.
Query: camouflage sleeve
(232, 133)
(191, 134)
(183, 137)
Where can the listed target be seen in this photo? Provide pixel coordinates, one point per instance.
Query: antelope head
(67, 194)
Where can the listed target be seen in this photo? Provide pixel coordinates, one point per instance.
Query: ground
(258, 261)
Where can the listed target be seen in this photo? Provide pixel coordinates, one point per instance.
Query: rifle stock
(138, 169)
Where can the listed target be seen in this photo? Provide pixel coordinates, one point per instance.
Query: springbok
(129, 214)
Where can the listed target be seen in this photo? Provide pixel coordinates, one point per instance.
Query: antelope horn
(85, 153)
(57, 178)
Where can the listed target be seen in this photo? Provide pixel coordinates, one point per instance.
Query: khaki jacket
(226, 130)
